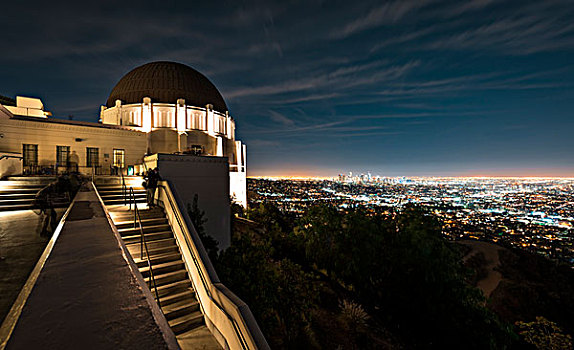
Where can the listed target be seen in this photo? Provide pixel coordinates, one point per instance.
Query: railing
(55, 169)
(226, 312)
(124, 188)
(143, 243)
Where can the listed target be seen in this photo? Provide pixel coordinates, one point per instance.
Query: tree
(544, 334)
(198, 220)
(280, 294)
(406, 272)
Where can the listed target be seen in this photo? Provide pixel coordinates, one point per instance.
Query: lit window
(196, 150)
(119, 158)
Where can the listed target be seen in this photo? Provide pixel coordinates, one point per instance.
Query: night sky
(477, 87)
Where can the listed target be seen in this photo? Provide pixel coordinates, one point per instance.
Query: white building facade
(160, 107)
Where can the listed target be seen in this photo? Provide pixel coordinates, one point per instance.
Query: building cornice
(46, 124)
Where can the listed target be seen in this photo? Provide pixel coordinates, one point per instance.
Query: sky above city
(318, 88)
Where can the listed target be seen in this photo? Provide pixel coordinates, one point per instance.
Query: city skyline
(399, 88)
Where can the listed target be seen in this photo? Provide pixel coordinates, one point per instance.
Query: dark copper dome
(166, 82)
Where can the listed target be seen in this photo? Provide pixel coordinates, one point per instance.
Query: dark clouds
(396, 87)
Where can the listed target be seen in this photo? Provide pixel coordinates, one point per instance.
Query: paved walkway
(87, 295)
(20, 247)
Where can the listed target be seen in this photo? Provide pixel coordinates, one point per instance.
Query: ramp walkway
(85, 292)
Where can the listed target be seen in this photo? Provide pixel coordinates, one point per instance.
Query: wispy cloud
(467, 6)
(518, 35)
(310, 98)
(387, 13)
(339, 79)
(404, 38)
(280, 118)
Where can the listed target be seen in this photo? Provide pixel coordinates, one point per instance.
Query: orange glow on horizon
(292, 177)
(509, 177)
(297, 172)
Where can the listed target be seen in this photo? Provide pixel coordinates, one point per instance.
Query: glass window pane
(30, 154)
(62, 155)
(92, 156)
(119, 158)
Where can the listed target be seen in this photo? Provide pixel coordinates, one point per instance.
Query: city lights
(535, 214)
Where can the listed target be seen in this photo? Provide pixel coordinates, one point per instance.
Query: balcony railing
(55, 169)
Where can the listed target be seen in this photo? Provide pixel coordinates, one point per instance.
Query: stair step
(160, 269)
(121, 201)
(167, 278)
(134, 250)
(118, 185)
(152, 246)
(110, 196)
(185, 295)
(179, 309)
(158, 259)
(119, 190)
(150, 237)
(5, 196)
(174, 288)
(145, 222)
(126, 216)
(185, 323)
(130, 231)
(8, 207)
(10, 188)
(17, 200)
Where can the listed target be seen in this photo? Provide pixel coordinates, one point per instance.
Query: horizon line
(305, 177)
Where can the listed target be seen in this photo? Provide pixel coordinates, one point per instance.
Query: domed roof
(166, 82)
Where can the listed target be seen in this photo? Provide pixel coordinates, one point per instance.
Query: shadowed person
(151, 180)
(44, 201)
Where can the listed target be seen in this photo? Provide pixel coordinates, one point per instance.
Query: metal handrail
(200, 271)
(143, 243)
(124, 188)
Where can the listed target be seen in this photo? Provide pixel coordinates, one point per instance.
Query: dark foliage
(533, 286)
(279, 293)
(477, 264)
(376, 272)
(198, 219)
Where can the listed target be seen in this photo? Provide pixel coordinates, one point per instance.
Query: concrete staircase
(112, 194)
(18, 193)
(176, 295)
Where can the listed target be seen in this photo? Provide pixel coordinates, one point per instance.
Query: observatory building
(157, 108)
(129, 256)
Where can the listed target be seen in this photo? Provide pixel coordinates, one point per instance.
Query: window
(159, 119)
(62, 155)
(92, 156)
(196, 150)
(134, 118)
(119, 158)
(30, 154)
